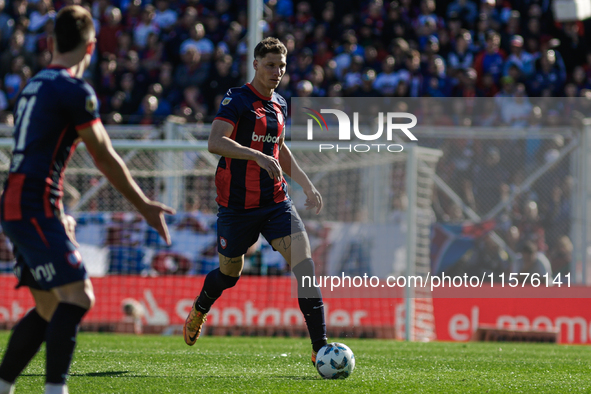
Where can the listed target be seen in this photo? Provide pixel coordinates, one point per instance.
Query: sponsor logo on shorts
(44, 272)
(74, 258)
(223, 242)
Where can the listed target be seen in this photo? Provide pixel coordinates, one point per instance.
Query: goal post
(420, 168)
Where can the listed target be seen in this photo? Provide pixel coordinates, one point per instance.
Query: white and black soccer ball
(335, 361)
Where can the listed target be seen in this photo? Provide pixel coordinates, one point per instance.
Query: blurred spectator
(198, 40)
(520, 58)
(558, 212)
(573, 45)
(548, 79)
(107, 37)
(303, 65)
(6, 25)
(169, 91)
(366, 88)
(488, 258)
(15, 49)
(18, 9)
(3, 99)
(386, 81)
(181, 31)
(151, 56)
(488, 179)
(192, 72)
(316, 77)
(222, 78)
(304, 88)
(44, 12)
(411, 76)
(145, 26)
(124, 45)
(231, 43)
(132, 95)
(164, 17)
(561, 256)
(491, 59)
(466, 85)
(532, 261)
(107, 82)
(352, 77)
(461, 58)
(14, 79)
(516, 110)
(530, 226)
(193, 103)
(344, 53)
(580, 80)
(147, 109)
(464, 10)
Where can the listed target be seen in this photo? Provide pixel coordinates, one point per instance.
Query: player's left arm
(291, 167)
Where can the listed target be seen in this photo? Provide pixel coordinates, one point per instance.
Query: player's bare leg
(296, 250)
(26, 339)
(45, 303)
(215, 283)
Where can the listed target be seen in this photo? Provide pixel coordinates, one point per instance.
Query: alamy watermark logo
(344, 124)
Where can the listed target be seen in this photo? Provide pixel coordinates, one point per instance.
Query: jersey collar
(257, 93)
(60, 67)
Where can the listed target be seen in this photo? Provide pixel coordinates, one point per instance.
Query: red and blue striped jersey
(50, 109)
(258, 123)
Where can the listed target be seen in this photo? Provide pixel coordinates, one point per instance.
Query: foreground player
(57, 108)
(252, 194)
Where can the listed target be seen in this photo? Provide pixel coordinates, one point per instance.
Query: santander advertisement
(267, 302)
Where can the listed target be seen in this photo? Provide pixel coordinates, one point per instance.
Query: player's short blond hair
(269, 45)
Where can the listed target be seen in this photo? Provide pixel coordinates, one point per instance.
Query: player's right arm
(220, 143)
(99, 146)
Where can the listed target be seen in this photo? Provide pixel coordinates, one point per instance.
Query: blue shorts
(238, 229)
(45, 256)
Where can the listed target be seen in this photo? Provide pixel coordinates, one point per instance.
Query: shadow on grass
(99, 374)
(106, 373)
(125, 375)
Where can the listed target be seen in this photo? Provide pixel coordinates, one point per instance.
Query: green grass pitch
(112, 363)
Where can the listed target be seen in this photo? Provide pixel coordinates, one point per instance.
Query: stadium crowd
(161, 57)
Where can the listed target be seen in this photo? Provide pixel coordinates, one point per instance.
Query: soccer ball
(335, 361)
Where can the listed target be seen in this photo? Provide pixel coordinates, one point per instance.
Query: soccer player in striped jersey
(55, 110)
(249, 133)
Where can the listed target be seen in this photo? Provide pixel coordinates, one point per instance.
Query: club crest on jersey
(91, 104)
(226, 101)
(223, 242)
(74, 258)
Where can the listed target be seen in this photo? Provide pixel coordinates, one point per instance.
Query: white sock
(5, 387)
(56, 388)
